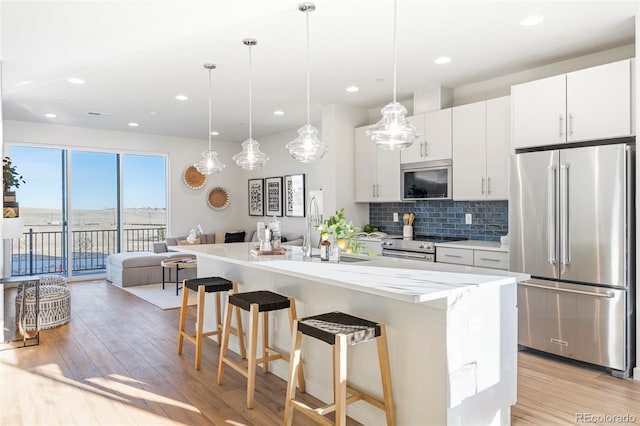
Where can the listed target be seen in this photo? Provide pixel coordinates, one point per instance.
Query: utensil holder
(407, 232)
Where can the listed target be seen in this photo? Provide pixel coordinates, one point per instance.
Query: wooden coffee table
(177, 263)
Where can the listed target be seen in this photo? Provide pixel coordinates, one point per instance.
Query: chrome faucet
(312, 220)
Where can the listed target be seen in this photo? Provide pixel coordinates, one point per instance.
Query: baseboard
(636, 373)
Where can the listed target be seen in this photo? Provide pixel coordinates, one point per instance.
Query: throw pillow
(235, 237)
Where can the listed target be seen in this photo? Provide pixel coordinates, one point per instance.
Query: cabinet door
(599, 102)
(454, 255)
(388, 175)
(365, 166)
(538, 112)
(437, 135)
(498, 146)
(469, 148)
(416, 151)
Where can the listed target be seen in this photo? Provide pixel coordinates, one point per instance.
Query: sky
(93, 183)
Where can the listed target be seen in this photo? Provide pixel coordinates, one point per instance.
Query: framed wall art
(294, 195)
(256, 197)
(273, 192)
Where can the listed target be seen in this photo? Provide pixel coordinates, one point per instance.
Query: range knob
(421, 245)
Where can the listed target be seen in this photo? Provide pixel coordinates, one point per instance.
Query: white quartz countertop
(407, 280)
(475, 245)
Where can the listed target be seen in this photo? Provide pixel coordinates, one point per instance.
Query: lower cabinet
(473, 257)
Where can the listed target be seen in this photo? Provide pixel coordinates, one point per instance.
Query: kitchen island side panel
(419, 336)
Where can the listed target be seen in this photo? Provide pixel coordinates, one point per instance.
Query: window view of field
(90, 183)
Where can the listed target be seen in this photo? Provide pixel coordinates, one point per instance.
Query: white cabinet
(473, 257)
(590, 104)
(377, 171)
(435, 137)
(481, 133)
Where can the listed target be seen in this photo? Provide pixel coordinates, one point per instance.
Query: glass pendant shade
(251, 158)
(209, 165)
(393, 131)
(307, 147)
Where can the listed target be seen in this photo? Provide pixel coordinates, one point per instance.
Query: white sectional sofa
(140, 268)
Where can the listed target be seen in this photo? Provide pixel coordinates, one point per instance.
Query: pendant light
(251, 158)
(209, 164)
(393, 131)
(307, 147)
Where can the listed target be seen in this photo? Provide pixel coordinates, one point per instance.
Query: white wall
(636, 371)
(188, 207)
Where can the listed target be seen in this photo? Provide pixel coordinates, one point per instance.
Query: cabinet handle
(421, 149)
(561, 134)
(570, 124)
(373, 190)
(452, 255)
(426, 148)
(482, 186)
(489, 185)
(377, 190)
(489, 260)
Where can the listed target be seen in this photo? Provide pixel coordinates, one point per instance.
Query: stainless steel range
(422, 247)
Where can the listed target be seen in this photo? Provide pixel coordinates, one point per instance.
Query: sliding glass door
(80, 206)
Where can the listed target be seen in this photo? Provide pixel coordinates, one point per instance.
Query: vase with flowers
(340, 235)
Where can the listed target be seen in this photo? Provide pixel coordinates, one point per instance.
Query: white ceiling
(137, 55)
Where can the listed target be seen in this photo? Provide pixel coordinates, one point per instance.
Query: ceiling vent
(101, 114)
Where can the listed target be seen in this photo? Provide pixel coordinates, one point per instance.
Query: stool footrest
(240, 367)
(311, 412)
(365, 397)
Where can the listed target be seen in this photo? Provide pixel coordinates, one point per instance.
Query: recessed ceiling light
(442, 60)
(352, 89)
(182, 97)
(532, 20)
(132, 124)
(75, 80)
(214, 133)
(278, 112)
(50, 115)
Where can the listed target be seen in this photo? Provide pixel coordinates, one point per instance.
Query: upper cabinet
(435, 137)
(481, 133)
(377, 171)
(590, 104)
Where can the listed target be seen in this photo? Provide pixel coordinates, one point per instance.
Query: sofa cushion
(185, 242)
(234, 237)
(158, 247)
(134, 259)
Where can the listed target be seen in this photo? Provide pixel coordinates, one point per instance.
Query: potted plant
(340, 232)
(10, 179)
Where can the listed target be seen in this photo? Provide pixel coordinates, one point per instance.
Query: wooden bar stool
(202, 286)
(339, 330)
(255, 302)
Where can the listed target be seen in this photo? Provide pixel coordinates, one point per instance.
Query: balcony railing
(42, 252)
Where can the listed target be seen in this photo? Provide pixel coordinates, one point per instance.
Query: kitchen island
(451, 329)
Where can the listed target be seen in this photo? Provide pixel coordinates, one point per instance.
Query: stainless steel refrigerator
(571, 226)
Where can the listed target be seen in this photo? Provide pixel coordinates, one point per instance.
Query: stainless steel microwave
(429, 180)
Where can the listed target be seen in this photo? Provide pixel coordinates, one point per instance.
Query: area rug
(163, 299)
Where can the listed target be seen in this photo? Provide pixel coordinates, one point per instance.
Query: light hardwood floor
(115, 363)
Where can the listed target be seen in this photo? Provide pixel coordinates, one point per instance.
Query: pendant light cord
(250, 92)
(308, 74)
(395, 48)
(210, 94)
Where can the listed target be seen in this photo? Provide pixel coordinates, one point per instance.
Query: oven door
(427, 181)
(410, 255)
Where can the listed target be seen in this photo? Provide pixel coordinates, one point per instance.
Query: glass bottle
(325, 248)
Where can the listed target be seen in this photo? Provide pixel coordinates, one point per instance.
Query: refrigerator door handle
(607, 294)
(564, 214)
(551, 215)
